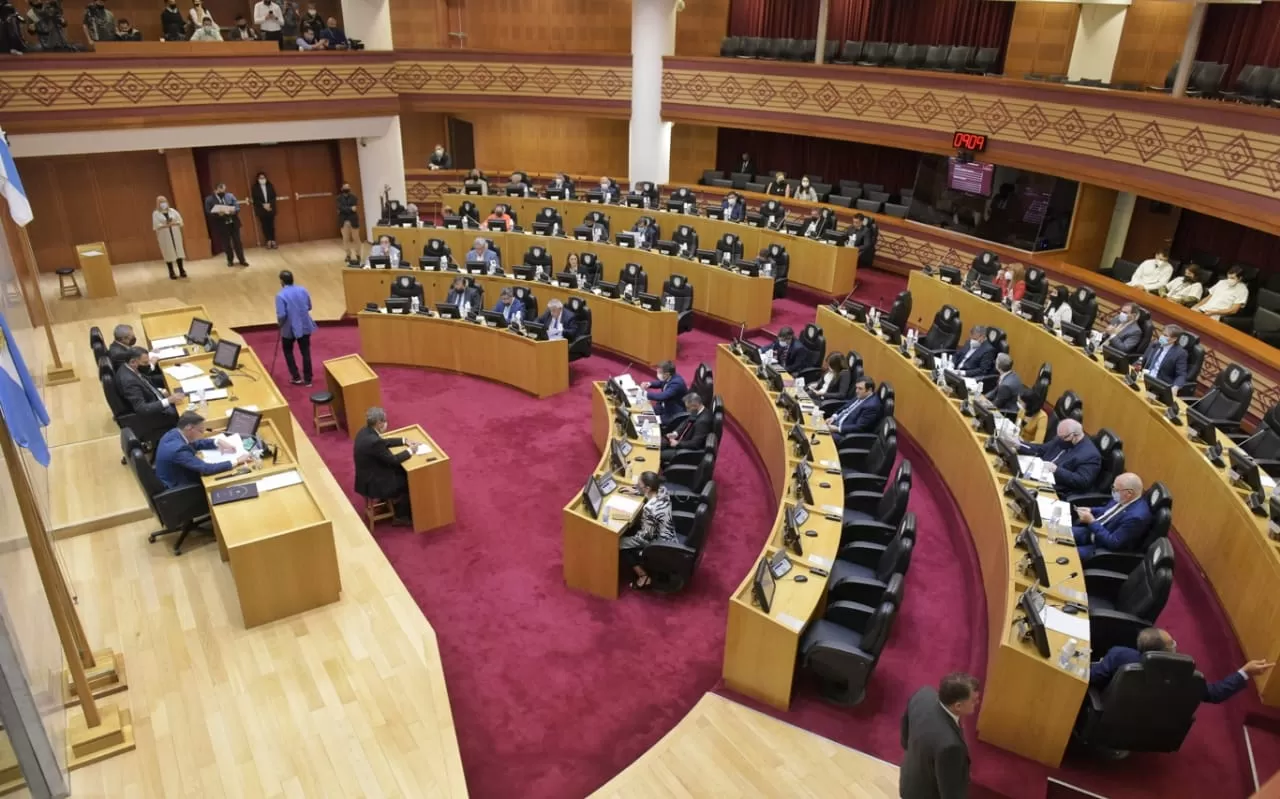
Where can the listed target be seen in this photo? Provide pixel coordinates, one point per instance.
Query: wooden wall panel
(1154, 31)
(1151, 228)
(558, 26)
(79, 199)
(1041, 38)
(1090, 225)
(184, 192)
(548, 143)
(693, 149)
(419, 133)
(423, 24)
(701, 26)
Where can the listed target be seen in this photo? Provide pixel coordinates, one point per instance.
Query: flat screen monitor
(668, 247)
(1244, 469)
(650, 302)
(856, 311)
(801, 475)
(592, 497)
(535, 330)
(773, 377)
(990, 291)
(715, 212)
(1116, 360)
(1076, 334)
(472, 190)
(595, 196)
(198, 332)
(625, 239)
(791, 407)
(1202, 426)
(1025, 499)
(448, 310)
(557, 192)
(379, 261)
(243, 422)
(1031, 311)
(524, 272)
(970, 177)
(567, 280)
(608, 289)
(984, 418)
(763, 586)
(517, 190)
(749, 351)
(1035, 625)
(1008, 457)
(496, 225)
(493, 319)
(635, 201)
(834, 236)
(226, 355)
(928, 358)
(955, 382)
(399, 305)
(1028, 540)
(476, 267)
(451, 222)
(803, 450)
(891, 333)
(626, 425)
(949, 274)
(430, 263)
(749, 268)
(618, 452)
(1158, 390)
(791, 531)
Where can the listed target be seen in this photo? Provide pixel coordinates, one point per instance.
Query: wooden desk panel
(251, 384)
(355, 389)
(96, 268)
(1229, 543)
(645, 336)
(540, 368)
(1029, 705)
(430, 481)
(171, 322)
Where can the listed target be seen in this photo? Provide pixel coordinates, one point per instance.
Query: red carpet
(553, 692)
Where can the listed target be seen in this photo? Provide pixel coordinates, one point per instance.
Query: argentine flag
(11, 186)
(20, 401)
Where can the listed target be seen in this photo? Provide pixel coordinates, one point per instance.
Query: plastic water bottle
(816, 423)
(669, 303)
(413, 304)
(444, 262)
(395, 260)
(1068, 652)
(767, 269)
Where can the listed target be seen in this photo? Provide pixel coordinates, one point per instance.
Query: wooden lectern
(96, 268)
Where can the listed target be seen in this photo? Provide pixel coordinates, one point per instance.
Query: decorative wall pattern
(603, 81)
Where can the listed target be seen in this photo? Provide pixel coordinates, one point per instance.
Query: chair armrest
(1103, 584)
(1114, 562)
(857, 482)
(863, 553)
(853, 459)
(858, 441)
(852, 615)
(1227, 426)
(864, 501)
(177, 506)
(873, 531)
(684, 457)
(1089, 500)
(1112, 628)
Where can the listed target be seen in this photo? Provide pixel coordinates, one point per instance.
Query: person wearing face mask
(499, 214)
(335, 36)
(1185, 289)
(646, 234)
(806, 191)
(860, 414)
(1154, 639)
(978, 357)
(207, 32)
(745, 165)
(1153, 273)
(733, 208)
(863, 234)
(385, 247)
(125, 32)
(440, 159)
(1070, 457)
(508, 305)
(349, 224)
(167, 223)
(562, 183)
(1128, 334)
(837, 380)
(608, 191)
(1165, 360)
(779, 186)
(311, 20)
(1032, 418)
(172, 23)
(656, 526)
(223, 210)
(121, 351)
(1009, 281)
(269, 18)
(198, 14)
(99, 23)
(242, 32)
(1226, 297)
(264, 207)
(476, 178)
(1004, 397)
(1123, 316)
(666, 394)
(1118, 526)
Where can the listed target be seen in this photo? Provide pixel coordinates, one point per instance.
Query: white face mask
(262, 181)
(164, 206)
(1122, 317)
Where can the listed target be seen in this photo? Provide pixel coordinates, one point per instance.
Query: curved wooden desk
(540, 368)
(1030, 704)
(629, 330)
(717, 292)
(251, 387)
(760, 648)
(1229, 543)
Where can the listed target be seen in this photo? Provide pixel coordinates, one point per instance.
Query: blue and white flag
(20, 401)
(11, 186)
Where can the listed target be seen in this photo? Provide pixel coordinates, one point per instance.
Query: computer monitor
(1031, 311)
(763, 586)
(476, 267)
(750, 351)
(567, 280)
(1008, 457)
(773, 377)
(398, 305)
(557, 192)
(472, 190)
(650, 302)
(1028, 540)
(856, 311)
(834, 236)
(791, 531)
(791, 407)
(749, 268)
(891, 332)
(665, 247)
(705, 256)
(431, 263)
(802, 448)
(949, 274)
(448, 310)
(990, 291)
(523, 272)
(1035, 625)
(535, 330)
(451, 222)
(984, 418)
(715, 212)
(243, 422)
(496, 225)
(801, 475)
(592, 497)
(226, 355)
(625, 424)
(1158, 390)
(1025, 499)
(1244, 470)
(493, 319)
(955, 382)
(542, 228)
(1076, 334)
(1116, 360)
(516, 190)
(198, 332)
(1202, 426)
(608, 289)
(379, 261)
(625, 239)
(595, 196)
(928, 358)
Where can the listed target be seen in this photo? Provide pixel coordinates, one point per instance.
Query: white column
(1189, 47)
(823, 8)
(653, 35)
(1093, 56)
(381, 165)
(1126, 201)
(369, 21)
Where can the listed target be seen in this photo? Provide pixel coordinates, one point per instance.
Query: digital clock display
(974, 142)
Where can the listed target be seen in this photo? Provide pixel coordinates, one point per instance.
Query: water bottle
(395, 260)
(466, 309)
(669, 303)
(646, 202)
(538, 273)
(444, 262)
(688, 208)
(518, 319)
(767, 269)
(413, 304)
(1068, 652)
(817, 418)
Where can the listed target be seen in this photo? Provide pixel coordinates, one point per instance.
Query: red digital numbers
(975, 142)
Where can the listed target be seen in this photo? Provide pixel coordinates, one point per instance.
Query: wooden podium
(96, 268)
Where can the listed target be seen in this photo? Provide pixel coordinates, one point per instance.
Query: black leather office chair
(874, 515)
(1068, 406)
(596, 224)
(728, 249)
(436, 248)
(841, 649)
(900, 311)
(633, 275)
(815, 341)
(536, 256)
(1190, 342)
(865, 463)
(1040, 388)
(1227, 402)
(408, 287)
(580, 345)
(526, 296)
(874, 54)
(670, 564)
(1148, 706)
(681, 293)
(590, 266)
(1263, 444)
(682, 199)
(686, 239)
(1122, 605)
(180, 510)
(985, 266)
(1037, 285)
(704, 384)
(97, 342)
(850, 53)
(148, 427)
(1084, 307)
(1147, 329)
(691, 478)
(470, 214)
(688, 459)
(771, 215)
(1111, 448)
(944, 333)
(781, 268)
(551, 218)
(1161, 503)
(863, 569)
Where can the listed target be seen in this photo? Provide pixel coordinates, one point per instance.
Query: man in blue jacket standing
(666, 394)
(293, 312)
(1153, 639)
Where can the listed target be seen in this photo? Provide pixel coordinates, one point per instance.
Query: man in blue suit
(976, 359)
(1165, 360)
(177, 463)
(646, 234)
(861, 414)
(1153, 639)
(558, 321)
(508, 305)
(1070, 456)
(789, 353)
(666, 394)
(734, 209)
(1119, 525)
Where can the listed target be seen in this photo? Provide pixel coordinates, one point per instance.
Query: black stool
(322, 415)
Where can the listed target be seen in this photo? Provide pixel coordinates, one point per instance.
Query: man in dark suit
(460, 293)
(177, 463)
(1004, 397)
(1153, 639)
(977, 357)
(1071, 456)
(124, 340)
(558, 320)
(733, 208)
(1120, 525)
(936, 763)
(646, 234)
(863, 235)
(690, 434)
(1127, 334)
(379, 474)
(666, 394)
(861, 414)
(790, 354)
(144, 398)
(225, 225)
(1165, 360)
(745, 165)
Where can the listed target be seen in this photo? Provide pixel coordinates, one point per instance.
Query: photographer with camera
(99, 23)
(269, 18)
(45, 20)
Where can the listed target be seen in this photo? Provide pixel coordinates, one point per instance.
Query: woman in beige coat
(167, 223)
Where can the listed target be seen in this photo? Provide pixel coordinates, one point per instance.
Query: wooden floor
(723, 749)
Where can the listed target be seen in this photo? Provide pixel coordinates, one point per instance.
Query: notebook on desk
(166, 343)
(235, 493)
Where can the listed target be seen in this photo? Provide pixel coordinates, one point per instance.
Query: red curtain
(1232, 243)
(774, 19)
(834, 160)
(1241, 34)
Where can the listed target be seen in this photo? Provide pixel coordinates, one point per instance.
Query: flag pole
(59, 373)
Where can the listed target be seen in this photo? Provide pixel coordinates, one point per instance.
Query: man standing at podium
(293, 312)
(223, 210)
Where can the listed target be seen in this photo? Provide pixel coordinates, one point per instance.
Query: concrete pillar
(1093, 56)
(369, 21)
(1121, 217)
(823, 8)
(653, 35)
(1189, 47)
(381, 161)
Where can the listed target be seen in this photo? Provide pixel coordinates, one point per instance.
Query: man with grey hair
(124, 340)
(1004, 396)
(559, 321)
(978, 357)
(379, 473)
(1118, 526)
(1070, 457)
(481, 254)
(1165, 359)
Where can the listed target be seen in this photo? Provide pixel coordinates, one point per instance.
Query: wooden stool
(322, 414)
(67, 285)
(375, 510)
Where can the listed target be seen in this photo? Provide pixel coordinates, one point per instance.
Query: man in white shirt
(269, 17)
(1226, 297)
(1153, 273)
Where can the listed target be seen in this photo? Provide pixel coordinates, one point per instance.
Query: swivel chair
(842, 648)
(678, 289)
(1148, 706)
(1122, 605)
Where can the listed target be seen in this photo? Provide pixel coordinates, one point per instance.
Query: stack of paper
(1051, 509)
(1076, 627)
(1034, 469)
(165, 343)
(183, 371)
(281, 480)
(201, 383)
(169, 352)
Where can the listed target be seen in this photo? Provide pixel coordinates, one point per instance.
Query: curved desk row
(720, 293)
(1030, 704)
(1230, 544)
(644, 336)
(760, 648)
(540, 368)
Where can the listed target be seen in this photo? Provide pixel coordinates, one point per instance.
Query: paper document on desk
(201, 383)
(1076, 627)
(620, 507)
(217, 455)
(165, 343)
(183, 371)
(253, 408)
(1051, 509)
(626, 382)
(1034, 469)
(281, 480)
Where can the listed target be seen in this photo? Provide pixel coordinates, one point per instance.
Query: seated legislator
(608, 191)
(385, 247)
(1123, 317)
(733, 208)
(558, 320)
(789, 353)
(656, 526)
(379, 474)
(1185, 289)
(1032, 420)
(123, 340)
(1118, 526)
(562, 183)
(141, 395)
(779, 186)
(511, 309)
(1226, 297)
(837, 379)
(177, 463)
(861, 414)
(460, 293)
(1004, 397)
(1071, 456)
(646, 234)
(666, 394)
(476, 179)
(1059, 314)
(1009, 281)
(500, 215)
(520, 182)
(978, 357)
(573, 266)
(692, 432)
(863, 234)
(1165, 360)
(1152, 274)
(1128, 333)
(480, 253)
(1154, 639)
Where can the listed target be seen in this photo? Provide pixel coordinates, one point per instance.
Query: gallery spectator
(198, 14)
(308, 41)
(311, 20)
(173, 26)
(208, 32)
(335, 36)
(126, 32)
(269, 17)
(99, 23)
(243, 31)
